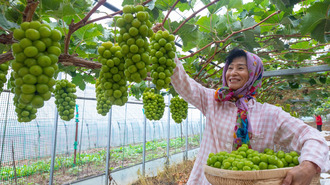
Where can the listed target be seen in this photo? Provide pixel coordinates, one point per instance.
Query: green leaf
(235, 4)
(4, 23)
(65, 9)
(89, 78)
(249, 41)
(249, 22)
(78, 80)
(128, 2)
(315, 14)
(164, 4)
(319, 32)
(216, 6)
(221, 25)
(188, 33)
(206, 24)
(183, 6)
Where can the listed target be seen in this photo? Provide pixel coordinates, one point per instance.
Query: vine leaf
(189, 34)
(315, 21)
(235, 4)
(4, 23)
(206, 24)
(78, 80)
(65, 8)
(215, 7)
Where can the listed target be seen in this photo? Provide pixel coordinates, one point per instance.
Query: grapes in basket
(245, 159)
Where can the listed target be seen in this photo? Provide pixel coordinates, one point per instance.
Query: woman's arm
(298, 136)
(189, 89)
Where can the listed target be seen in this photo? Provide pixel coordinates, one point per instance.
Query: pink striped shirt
(270, 125)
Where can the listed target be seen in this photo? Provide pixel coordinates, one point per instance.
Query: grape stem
(168, 13)
(29, 10)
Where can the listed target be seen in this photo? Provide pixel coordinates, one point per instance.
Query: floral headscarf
(242, 130)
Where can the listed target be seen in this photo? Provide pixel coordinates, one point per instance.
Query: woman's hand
(301, 174)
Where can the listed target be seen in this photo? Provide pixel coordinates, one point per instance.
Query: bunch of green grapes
(3, 74)
(179, 109)
(65, 99)
(112, 77)
(35, 62)
(245, 159)
(25, 112)
(162, 52)
(103, 105)
(153, 105)
(135, 27)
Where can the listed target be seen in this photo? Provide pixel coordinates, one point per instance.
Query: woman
(233, 117)
(319, 123)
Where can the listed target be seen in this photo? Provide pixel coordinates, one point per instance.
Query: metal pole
(108, 148)
(201, 128)
(4, 131)
(54, 142)
(168, 131)
(125, 127)
(75, 144)
(144, 144)
(186, 139)
(54, 148)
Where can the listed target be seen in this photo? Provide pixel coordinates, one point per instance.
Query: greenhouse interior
(87, 95)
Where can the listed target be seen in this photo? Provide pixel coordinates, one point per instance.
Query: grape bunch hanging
(65, 99)
(135, 27)
(153, 104)
(112, 78)
(3, 74)
(103, 104)
(162, 52)
(25, 113)
(35, 62)
(179, 109)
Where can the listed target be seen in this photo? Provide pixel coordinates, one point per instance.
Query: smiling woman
(237, 74)
(234, 117)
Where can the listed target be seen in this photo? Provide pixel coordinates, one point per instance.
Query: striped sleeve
(298, 136)
(189, 89)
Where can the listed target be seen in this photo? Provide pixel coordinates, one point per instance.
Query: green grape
(25, 112)
(65, 99)
(112, 78)
(153, 105)
(244, 159)
(35, 63)
(3, 73)
(162, 56)
(135, 27)
(102, 104)
(179, 109)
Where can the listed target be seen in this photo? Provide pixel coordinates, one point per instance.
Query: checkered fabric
(270, 125)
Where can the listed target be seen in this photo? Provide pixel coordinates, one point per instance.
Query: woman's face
(237, 74)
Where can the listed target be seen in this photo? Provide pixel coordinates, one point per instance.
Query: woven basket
(229, 177)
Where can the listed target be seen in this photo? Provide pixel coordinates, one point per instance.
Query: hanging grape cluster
(162, 52)
(153, 104)
(179, 109)
(112, 78)
(103, 104)
(65, 99)
(25, 113)
(135, 27)
(3, 74)
(35, 62)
